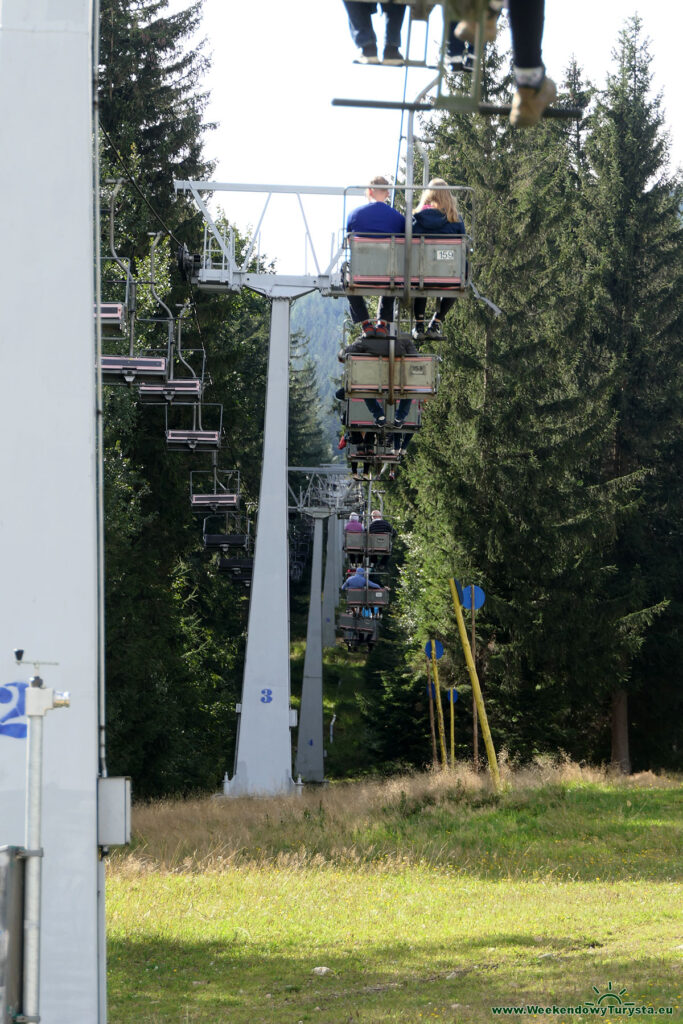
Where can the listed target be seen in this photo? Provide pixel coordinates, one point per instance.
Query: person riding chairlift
(436, 214)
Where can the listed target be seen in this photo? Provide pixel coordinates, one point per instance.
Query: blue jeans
(360, 22)
(376, 408)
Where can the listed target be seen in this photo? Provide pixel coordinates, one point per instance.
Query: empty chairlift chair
(132, 368)
(198, 436)
(186, 375)
(214, 490)
(227, 532)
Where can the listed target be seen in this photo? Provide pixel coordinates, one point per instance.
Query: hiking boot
(392, 55)
(368, 54)
(528, 103)
(466, 30)
(434, 329)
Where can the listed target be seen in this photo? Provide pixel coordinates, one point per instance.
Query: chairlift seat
(358, 627)
(187, 391)
(367, 598)
(220, 502)
(132, 369)
(368, 376)
(193, 440)
(240, 569)
(376, 265)
(226, 540)
(111, 314)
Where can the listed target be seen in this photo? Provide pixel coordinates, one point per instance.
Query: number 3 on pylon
(267, 696)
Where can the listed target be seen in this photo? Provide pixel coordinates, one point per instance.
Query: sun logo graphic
(609, 997)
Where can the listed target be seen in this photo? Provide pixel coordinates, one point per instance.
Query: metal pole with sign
(458, 596)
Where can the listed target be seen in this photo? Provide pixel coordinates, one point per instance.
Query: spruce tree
(635, 244)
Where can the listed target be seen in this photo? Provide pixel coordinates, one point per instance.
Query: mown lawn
(424, 900)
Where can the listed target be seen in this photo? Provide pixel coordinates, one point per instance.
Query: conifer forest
(548, 469)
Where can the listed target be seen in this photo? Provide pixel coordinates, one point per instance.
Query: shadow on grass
(172, 981)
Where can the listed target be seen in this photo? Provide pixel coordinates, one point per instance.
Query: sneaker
(380, 420)
(399, 421)
(368, 329)
(528, 104)
(434, 329)
(466, 30)
(392, 55)
(382, 329)
(368, 54)
(418, 331)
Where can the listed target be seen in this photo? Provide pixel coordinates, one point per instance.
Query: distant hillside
(320, 320)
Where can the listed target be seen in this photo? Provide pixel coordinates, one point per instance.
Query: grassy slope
(428, 899)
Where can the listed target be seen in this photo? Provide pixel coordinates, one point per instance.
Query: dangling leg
(419, 308)
(535, 91)
(362, 32)
(392, 38)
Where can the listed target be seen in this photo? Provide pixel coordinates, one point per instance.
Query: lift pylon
(263, 757)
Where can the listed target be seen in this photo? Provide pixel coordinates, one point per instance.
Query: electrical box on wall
(113, 811)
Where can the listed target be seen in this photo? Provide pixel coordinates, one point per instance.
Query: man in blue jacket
(359, 582)
(375, 218)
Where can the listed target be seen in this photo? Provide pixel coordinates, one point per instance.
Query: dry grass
(338, 822)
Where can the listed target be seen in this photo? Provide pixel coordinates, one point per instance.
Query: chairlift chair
(197, 438)
(240, 570)
(186, 372)
(215, 490)
(469, 101)
(358, 545)
(365, 597)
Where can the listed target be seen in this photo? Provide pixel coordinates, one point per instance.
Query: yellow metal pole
(476, 689)
(452, 688)
(439, 708)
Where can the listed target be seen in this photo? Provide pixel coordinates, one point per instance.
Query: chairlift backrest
(368, 376)
(376, 265)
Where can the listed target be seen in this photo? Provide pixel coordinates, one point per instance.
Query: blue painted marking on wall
(267, 696)
(13, 710)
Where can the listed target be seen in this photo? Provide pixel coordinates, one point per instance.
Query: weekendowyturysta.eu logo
(609, 1004)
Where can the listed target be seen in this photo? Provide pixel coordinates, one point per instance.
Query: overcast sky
(277, 65)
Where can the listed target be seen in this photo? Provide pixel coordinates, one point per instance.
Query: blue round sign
(453, 695)
(438, 649)
(479, 597)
